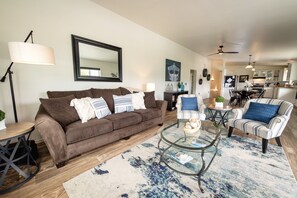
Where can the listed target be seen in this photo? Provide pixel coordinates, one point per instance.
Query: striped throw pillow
(100, 107)
(123, 103)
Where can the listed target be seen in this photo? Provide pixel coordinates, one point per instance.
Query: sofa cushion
(77, 131)
(148, 114)
(124, 91)
(149, 99)
(107, 95)
(60, 109)
(100, 107)
(123, 103)
(122, 120)
(77, 94)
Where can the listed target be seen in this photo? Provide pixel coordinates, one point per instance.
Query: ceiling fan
(220, 51)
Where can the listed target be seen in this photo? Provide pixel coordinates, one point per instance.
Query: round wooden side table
(219, 112)
(13, 141)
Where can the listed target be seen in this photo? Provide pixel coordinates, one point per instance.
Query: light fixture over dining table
(254, 69)
(249, 66)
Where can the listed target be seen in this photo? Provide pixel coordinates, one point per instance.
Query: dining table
(245, 95)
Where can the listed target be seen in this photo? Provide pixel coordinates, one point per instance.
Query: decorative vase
(2, 124)
(219, 104)
(182, 87)
(192, 127)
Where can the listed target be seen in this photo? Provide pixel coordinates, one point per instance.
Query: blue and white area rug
(239, 170)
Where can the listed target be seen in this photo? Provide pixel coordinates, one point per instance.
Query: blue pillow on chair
(261, 112)
(189, 103)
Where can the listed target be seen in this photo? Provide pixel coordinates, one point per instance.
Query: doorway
(193, 76)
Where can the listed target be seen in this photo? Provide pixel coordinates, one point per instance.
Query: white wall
(53, 22)
(293, 72)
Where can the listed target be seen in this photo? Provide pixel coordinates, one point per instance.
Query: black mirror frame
(76, 63)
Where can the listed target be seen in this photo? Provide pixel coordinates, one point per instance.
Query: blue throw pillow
(261, 112)
(189, 103)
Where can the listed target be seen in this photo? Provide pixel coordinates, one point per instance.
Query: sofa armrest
(202, 108)
(162, 104)
(277, 125)
(53, 135)
(238, 113)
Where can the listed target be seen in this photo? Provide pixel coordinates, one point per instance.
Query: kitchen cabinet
(270, 75)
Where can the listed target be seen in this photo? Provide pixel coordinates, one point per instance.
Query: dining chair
(259, 94)
(265, 118)
(244, 97)
(262, 93)
(235, 98)
(186, 111)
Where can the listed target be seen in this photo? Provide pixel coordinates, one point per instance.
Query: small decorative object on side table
(2, 120)
(219, 101)
(9, 161)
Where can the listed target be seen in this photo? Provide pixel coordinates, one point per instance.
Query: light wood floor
(48, 182)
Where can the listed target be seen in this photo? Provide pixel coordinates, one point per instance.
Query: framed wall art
(172, 70)
(243, 78)
(229, 81)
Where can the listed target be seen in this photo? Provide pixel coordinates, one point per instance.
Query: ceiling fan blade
(230, 52)
(213, 54)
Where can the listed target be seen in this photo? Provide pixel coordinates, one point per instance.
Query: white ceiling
(267, 29)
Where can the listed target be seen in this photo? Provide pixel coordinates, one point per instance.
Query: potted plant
(2, 120)
(220, 101)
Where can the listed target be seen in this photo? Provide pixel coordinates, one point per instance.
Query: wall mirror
(96, 61)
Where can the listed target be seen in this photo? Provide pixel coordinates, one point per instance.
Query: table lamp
(150, 87)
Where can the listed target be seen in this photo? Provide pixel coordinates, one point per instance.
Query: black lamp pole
(9, 72)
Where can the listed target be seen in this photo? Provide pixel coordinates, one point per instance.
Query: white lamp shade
(30, 53)
(150, 87)
(249, 67)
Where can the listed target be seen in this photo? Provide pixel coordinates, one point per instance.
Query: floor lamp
(28, 53)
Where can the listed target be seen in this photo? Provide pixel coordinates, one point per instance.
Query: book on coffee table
(182, 157)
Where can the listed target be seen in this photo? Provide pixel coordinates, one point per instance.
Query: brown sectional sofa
(67, 141)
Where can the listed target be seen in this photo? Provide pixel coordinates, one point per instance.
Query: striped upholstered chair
(187, 114)
(266, 129)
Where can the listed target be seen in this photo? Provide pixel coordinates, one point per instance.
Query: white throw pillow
(100, 107)
(138, 101)
(123, 103)
(83, 108)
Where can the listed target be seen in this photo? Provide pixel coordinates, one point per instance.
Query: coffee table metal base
(204, 166)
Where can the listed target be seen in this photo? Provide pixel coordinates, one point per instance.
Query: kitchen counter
(285, 93)
(287, 87)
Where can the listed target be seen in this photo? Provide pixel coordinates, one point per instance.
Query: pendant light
(254, 69)
(249, 66)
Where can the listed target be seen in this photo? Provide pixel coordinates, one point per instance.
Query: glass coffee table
(189, 154)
